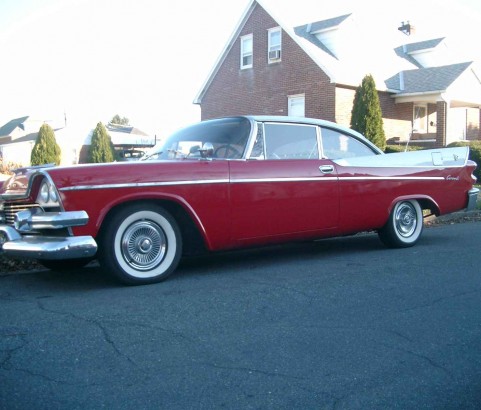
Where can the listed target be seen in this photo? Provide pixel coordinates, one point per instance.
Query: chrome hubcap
(144, 245)
(405, 219)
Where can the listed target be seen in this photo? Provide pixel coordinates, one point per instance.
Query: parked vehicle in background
(130, 154)
(225, 184)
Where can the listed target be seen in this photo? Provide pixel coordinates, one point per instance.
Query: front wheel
(141, 244)
(404, 226)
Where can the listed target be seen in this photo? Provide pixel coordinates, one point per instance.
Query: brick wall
(264, 88)
(344, 102)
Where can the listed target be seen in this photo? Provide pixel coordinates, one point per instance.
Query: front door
(285, 189)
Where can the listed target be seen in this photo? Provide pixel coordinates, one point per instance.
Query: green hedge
(474, 154)
(400, 148)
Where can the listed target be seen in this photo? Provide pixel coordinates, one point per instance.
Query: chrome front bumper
(472, 199)
(19, 240)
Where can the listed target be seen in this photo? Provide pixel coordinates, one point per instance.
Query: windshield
(224, 138)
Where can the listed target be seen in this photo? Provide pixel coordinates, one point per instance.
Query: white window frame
(420, 125)
(244, 53)
(291, 102)
(274, 47)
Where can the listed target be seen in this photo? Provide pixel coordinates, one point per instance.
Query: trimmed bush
(46, 150)
(101, 148)
(366, 114)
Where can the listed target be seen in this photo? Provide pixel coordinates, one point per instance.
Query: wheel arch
(193, 234)
(425, 201)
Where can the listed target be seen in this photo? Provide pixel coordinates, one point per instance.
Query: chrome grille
(10, 209)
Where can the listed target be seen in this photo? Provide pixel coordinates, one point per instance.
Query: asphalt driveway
(340, 323)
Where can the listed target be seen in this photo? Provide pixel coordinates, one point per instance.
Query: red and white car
(224, 184)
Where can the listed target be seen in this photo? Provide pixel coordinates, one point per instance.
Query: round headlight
(52, 194)
(44, 192)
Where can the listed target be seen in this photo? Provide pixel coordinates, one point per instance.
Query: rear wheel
(141, 244)
(404, 226)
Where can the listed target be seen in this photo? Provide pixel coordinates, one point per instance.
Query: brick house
(271, 67)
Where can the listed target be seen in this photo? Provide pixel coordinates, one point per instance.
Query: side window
(337, 145)
(291, 141)
(258, 148)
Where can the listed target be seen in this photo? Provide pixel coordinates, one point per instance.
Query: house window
(246, 51)
(296, 105)
(420, 118)
(275, 45)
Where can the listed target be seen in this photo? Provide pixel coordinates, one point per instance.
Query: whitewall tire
(141, 244)
(404, 226)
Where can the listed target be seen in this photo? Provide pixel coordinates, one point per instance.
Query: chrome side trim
(247, 180)
(253, 180)
(243, 181)
(144, 184)
(392, 178)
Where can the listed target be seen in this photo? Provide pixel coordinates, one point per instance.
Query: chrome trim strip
(144, 184)
(288, 179)
(392, 178)
(245, 180)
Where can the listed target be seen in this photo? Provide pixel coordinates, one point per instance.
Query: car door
(284, 188)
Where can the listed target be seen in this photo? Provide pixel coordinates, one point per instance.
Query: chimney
(406, 28)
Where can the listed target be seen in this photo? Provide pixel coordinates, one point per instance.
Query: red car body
(278, 179)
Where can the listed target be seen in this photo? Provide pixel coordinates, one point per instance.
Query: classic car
(228, 183)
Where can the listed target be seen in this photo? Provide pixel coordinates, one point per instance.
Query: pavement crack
(425, 358)
(250, 371)
(106, 335)
(441, 299)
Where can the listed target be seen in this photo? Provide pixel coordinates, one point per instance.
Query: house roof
(326, 24)
(421, 45)
(365, 53)
(305, 32)
(10, 126)
(128, 135)
(407, 51)
(127, 129)
(423, 80)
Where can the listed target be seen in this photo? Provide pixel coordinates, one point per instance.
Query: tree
(46, 150)
(366, 114)
(101, 147)
(116, 119)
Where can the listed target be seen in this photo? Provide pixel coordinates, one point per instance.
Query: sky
(147, 59)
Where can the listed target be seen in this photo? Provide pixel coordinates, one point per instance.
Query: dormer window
(246, 56)
(274, 45)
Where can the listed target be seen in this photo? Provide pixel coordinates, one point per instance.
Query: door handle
(326, 169)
